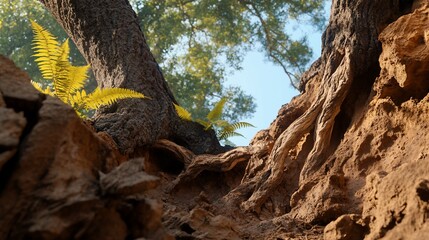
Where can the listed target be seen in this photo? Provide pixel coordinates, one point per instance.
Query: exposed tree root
(320, 117)
(336, 89)
(195, 164)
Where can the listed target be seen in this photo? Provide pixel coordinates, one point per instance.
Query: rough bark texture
(108, 35)
(346, 159)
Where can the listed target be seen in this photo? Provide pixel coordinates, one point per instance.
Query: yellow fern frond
(39, 88)
(229, 130)
(221, 123)
(78, 98)
(216, 112)
(47, 50)
(77, 77)
(107, 96)
(224, 135)
(62, 81)
(238, 125)
(65, 51)
(69, 79)
(62, 71)
(207, 125)
(182, 112)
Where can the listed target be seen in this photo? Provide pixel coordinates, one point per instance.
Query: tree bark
(108, 35)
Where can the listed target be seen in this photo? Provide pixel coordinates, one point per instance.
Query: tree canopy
(197, 43)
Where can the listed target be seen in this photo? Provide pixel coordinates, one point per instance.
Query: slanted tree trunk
(108, 35)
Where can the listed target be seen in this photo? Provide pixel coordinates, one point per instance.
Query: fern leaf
(47, 51)
(182, 112)
(227, 134)
(216, 112)
(64, 51)
(238, 125)
(229, 130)
(77, 77)
(62, 81)
(77, 99)
(107, 96)
(206, 125)
(227, 142)
(39, 88)
(221, 123)
(69, 79)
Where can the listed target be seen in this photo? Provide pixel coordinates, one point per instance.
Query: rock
(12, 125)
(128, 179)
(398, 203)
(16, 89)
(51, 188)
(330, 189)
(16, 95)
(203, 224)
(54, 173)
(346, 227)
(405, 57)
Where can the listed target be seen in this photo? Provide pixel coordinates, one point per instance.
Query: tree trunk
(108, 35)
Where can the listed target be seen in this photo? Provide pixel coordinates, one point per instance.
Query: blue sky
(268, 84)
